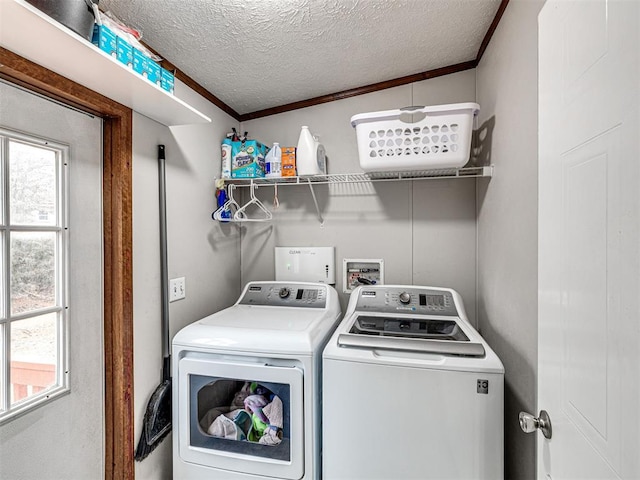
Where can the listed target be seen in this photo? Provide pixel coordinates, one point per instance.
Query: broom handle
(164, 275)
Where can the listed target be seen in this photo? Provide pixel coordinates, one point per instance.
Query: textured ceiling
(258, 54)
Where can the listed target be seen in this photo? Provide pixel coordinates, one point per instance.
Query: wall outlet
(177, 289)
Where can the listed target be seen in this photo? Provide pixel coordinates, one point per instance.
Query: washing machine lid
(424, 334)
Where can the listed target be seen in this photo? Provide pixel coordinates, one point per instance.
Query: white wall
(199, 249)
(507, 86)
(424, 230)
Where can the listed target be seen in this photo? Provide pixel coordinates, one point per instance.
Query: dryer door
(241, 417)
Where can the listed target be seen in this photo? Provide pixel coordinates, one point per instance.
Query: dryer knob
(284, 292)
(404, 297)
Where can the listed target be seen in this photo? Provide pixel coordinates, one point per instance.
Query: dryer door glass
(242, 417)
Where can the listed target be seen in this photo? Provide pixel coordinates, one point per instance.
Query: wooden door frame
(118, 259)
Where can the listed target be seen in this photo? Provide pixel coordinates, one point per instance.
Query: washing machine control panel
(285, 294)
(406, 299)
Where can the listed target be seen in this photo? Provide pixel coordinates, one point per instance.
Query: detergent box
(247, 159)
(104, 39)
(288, 165)
(124, 52)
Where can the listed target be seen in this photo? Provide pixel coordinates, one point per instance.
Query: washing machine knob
(404, 297)
(284, 292)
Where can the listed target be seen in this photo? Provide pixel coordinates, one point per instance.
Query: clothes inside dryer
(241, 416)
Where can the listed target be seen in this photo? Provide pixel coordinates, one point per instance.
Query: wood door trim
(118, 260)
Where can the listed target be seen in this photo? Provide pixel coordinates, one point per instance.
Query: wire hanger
(241, 216)
(230, 205)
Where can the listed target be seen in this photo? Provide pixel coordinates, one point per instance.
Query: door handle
(529, 423)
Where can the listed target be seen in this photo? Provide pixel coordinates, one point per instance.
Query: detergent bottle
(307, 161)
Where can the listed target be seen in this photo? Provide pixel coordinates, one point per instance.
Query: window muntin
(33, 272)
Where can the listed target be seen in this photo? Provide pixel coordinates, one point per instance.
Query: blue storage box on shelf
(154, 74)
(140, 62)
(104, 39)
(167, 81)
(147, 67)
(124, 52)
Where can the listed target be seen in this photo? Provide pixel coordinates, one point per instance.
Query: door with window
(51, 353)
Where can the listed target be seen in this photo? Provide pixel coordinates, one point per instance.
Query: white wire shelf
(334, 178)
(345, 178)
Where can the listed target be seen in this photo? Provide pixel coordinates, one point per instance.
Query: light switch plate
(177, 289)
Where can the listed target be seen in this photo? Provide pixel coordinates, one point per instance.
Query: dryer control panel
(387, 299)
(284, 294)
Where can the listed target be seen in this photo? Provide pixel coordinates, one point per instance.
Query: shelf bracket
(315, 201)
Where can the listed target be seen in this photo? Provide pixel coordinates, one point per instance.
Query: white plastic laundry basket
(392, 141)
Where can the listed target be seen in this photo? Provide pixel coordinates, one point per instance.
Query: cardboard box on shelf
(140, 62)
(104, 39)
(124, 52)
(288, 161)
(154, 72)
(247, 159)
(167, 81)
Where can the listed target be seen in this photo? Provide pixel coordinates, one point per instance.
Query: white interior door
(64, 438)
(589, 242)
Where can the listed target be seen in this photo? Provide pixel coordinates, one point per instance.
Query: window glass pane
(32, 185)
(34, 356)
(32, 270)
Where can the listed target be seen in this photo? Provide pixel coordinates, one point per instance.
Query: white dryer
(411, 390)
(247, 385)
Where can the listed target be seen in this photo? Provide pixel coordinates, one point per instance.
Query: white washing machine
(411, 390)
(247, 385)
